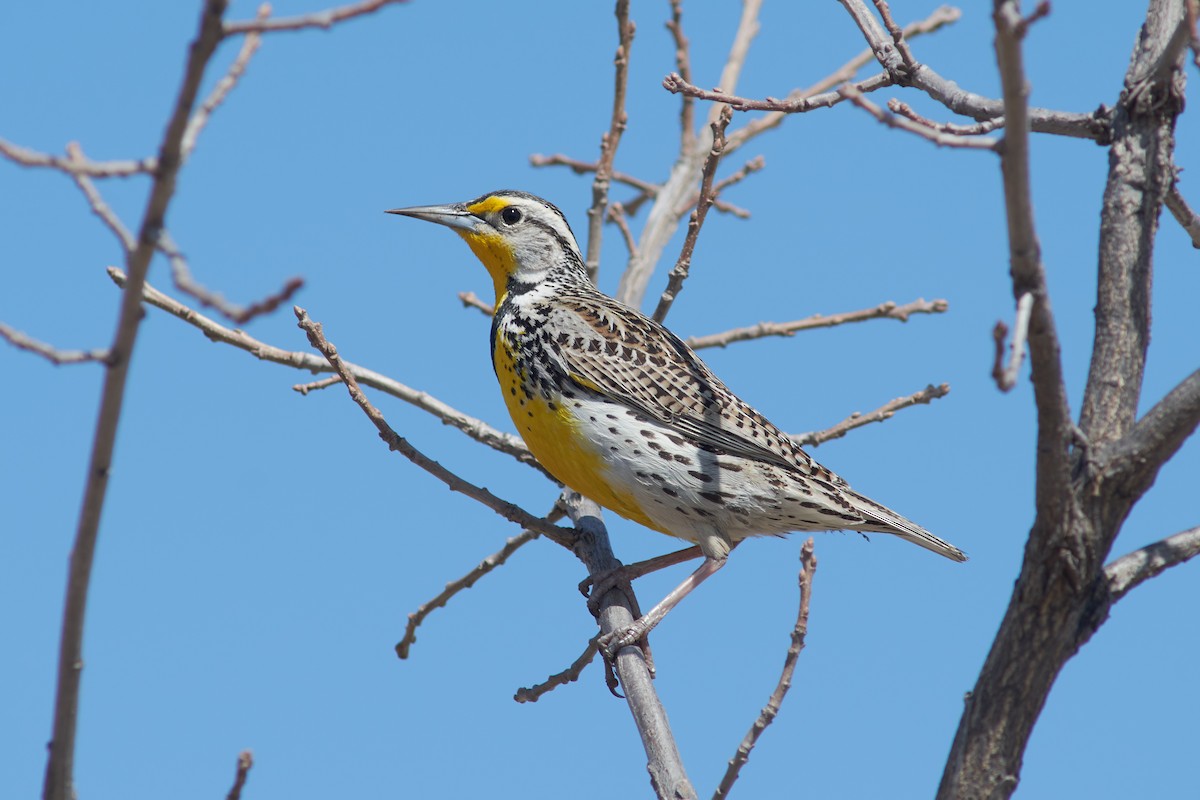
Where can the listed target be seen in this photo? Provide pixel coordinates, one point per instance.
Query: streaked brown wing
(630, 358)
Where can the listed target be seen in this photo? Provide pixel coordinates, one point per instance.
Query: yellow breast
(551, 431)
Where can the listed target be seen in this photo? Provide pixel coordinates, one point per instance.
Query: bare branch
(808, 566)
(939, 138)
(610, 140)
(568, 675)
(888, 310)
(321, 19)
(662, 223)
(452, 588)
(1055, 428)
(100, 208)
(1006, 377)
(791, 105)
(472, 300)
(245, 762)
(1192, 20)
(878, 40)
(683, 65)
(1156, 437)
(978, 129)
(1134, 568)
(680, 272)
(52, 354)
(906, 55)
(181, 274)
(477, 429)
(397, 443)
(1184, 214)
(1141, 173)
(584, 167)
(616, 611)
(616, 213)
(1087, 126)
(95, 169)
(1060, 598)
(224, 86)
(945, 15)
(312, 386)
(60, 768)
(884, 412)
(749, 168)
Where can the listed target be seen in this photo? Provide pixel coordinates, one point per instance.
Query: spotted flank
(621, 410)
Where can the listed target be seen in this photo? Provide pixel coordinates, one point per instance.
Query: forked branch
(477, 429)
(397, 443)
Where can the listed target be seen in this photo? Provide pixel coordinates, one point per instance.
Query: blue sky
(260, 550)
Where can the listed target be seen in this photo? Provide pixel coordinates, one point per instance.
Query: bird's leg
(593, 588)
(611, 643)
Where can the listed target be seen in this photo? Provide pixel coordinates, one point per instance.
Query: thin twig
(181, 275)
(397, 443)
(683, 65)
(749, 168)
(452, 588)
(49, 352)
(978, 129)
(906, 54)
(585, 167)
(60, 768)
(808, 566)
(312, 386)
(1184, 214)
(1096, 126)
(1141, 565)
(244, 763)
(888, 310)
(568, 675)
(945, 15)
(477, 429)
(95, 169)
(224, 86)
(321, 19)
(661, 222)
(472, 300)
(940, 138)
(1027, 271)
(884, 412)
(680, 272)
(1040, 11)
(791, 105)
(1006, 377)
(100, 208)
(610, 140)
(616, 213)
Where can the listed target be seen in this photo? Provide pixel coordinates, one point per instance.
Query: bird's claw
(612, 642)
(594, 587)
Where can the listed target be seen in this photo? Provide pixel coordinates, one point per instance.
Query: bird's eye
(511, 215)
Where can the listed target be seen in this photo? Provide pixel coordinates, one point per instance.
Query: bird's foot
(595, 587)
(635, 633)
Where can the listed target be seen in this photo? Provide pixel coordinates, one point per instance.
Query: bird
(618, 408)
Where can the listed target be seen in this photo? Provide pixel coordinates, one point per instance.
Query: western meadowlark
(619, 409)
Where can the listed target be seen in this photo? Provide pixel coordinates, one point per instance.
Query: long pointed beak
(452, 216)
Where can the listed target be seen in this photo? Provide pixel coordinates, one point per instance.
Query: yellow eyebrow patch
(487, 205)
